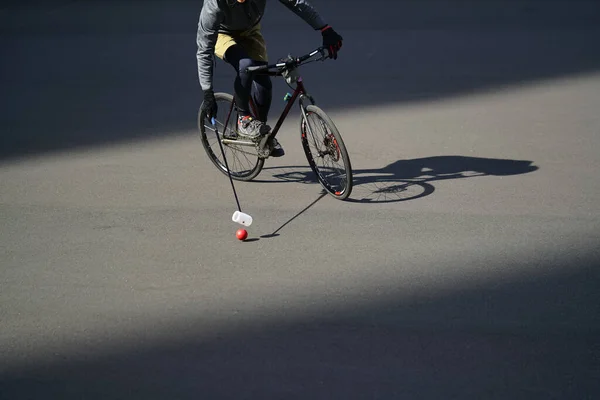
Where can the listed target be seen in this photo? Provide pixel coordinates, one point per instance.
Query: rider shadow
(405, 180)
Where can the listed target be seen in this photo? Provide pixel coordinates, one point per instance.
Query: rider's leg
(242, 50)
(254, 42)
(246, 50)
(262, 95)
(239, 59)
(247, 84)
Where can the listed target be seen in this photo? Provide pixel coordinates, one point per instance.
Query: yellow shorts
(251, 40)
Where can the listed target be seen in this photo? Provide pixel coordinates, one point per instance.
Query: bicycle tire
(239, 153)
(332, 146)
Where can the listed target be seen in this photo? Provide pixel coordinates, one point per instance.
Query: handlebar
(290, 63)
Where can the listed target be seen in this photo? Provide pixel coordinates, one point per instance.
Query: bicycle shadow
(411, 179)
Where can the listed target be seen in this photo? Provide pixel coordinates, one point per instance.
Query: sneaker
(277, 150)
(252, 128)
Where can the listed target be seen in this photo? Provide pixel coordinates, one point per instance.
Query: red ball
(241, 234)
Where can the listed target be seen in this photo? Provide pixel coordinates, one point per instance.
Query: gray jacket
(229, 16)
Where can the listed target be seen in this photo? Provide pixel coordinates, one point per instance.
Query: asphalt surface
(465, 264)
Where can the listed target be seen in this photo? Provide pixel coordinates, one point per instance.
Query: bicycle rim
(326, 152)
(243, 161)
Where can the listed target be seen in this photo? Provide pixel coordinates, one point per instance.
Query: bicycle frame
(336, 180)
(299, 93)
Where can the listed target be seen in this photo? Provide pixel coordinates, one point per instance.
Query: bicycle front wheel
(242, 160)
(326, 152)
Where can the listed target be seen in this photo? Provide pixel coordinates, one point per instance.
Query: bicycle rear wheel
(243, 161)
(326, 152)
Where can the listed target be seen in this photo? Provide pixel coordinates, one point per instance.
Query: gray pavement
(464, 265)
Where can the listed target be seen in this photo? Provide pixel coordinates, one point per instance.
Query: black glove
(331, 41)
(209, 105)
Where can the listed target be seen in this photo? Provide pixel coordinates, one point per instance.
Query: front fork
(301, 100)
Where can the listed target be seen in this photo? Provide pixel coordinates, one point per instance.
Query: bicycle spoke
(242, 160)
(326, 153)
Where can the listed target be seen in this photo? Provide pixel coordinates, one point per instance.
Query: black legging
(258, 86)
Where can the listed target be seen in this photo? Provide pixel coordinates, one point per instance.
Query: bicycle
(322, 150)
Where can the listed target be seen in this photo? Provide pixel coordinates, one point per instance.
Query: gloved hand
(332, 41)
(209, 105)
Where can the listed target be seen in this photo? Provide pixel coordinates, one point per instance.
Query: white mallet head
(242, 218)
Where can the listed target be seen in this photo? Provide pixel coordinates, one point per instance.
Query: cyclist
(231, 30)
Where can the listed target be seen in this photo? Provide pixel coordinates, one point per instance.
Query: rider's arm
(306, 11)
(211, 16)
